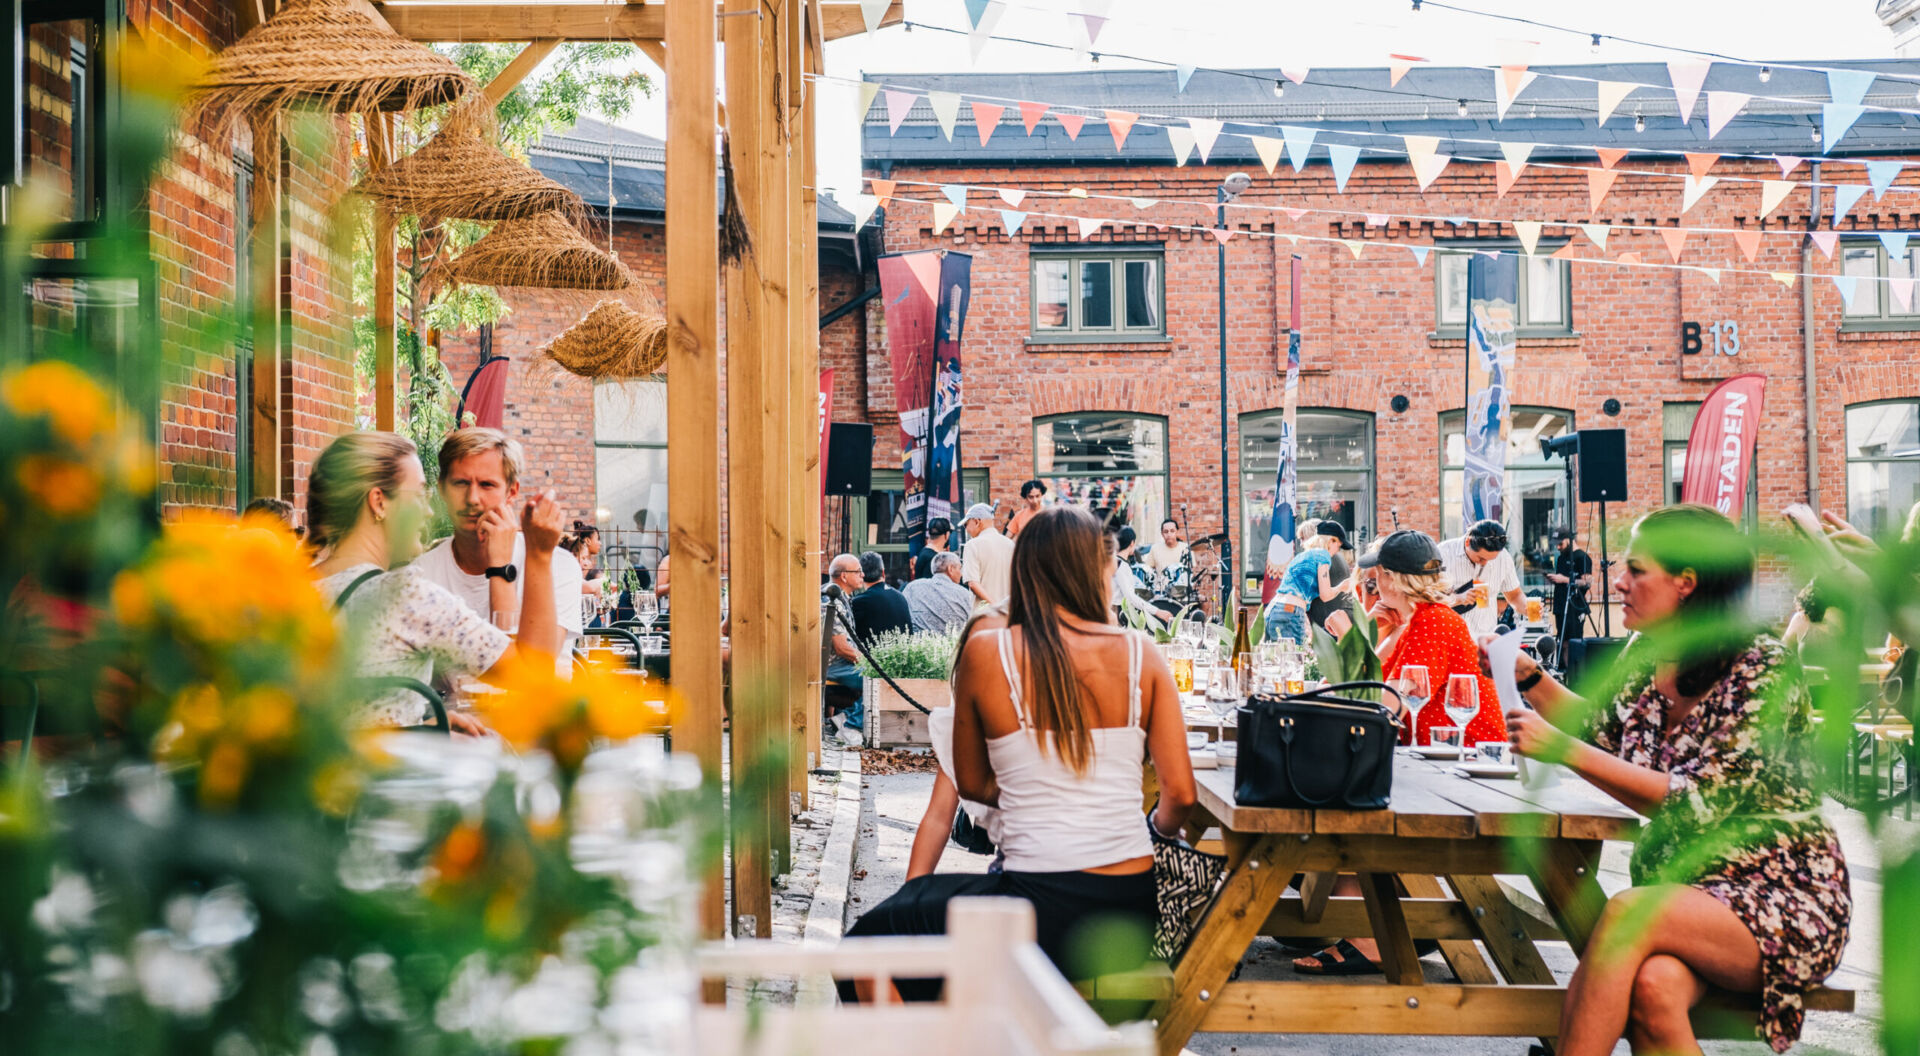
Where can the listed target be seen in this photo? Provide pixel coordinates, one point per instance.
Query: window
(1883, 464)
(1113, 464)
(1546, 294)
(1677, 428)
(630, 470)
(1537, 497)
(1116, 295)
(60, 119)
(1878, 305)
(1334, 479)
(243, 338)
(878, 517)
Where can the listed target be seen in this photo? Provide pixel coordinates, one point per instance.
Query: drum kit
(1181, 586)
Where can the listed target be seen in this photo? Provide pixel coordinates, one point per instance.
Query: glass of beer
(1182, 661)
(1481, 596)
(1533, 610)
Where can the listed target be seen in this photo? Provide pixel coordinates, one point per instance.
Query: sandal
(1349, 962)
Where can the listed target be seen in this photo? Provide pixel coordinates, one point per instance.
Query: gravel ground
(893, 804)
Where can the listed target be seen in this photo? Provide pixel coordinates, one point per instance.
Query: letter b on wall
(1689, 339)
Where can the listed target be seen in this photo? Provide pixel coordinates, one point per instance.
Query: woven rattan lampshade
(622, 337)
(459, 173)
(544, 251)
(330, 55)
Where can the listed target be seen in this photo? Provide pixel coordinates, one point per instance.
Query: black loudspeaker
(849, 458)
(1584, 654)
(1603, 465)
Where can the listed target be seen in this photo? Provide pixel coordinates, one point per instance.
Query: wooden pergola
(772, 363)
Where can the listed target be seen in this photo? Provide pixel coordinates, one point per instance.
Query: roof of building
(579, 157)
(1362, 107)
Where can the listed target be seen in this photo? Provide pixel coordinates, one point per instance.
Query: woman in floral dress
(1739, 884)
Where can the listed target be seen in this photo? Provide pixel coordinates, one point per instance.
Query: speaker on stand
(1603, 479)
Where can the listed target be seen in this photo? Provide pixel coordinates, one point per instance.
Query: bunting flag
(946, 108)
(1182, 141)
(943, 214)
(1698, 164)
(975, 9)
(1222, 235)
(1597, 234)
(1072, 123)
(986, 117)
(1844, 197)
(1354, 246)
(983, 26)
(1610, 156)
(1896, 243)
(1788, 163)
(882, 189)
(1342, 156)
(1182, 74)
(1420, 254)
(1296, 74)
(1835, 120)
(1295, 215)
(1142, 204)
(1268, 149)
(1723, 107)
(1772, 193)
(1280, 520)
(1507, 171)
(1529, 232)
(864, 206)
(1608, 97)
(1205, 131)
(1848, 88)
(1377, 219)
(899, 104)
(1695, 189)
(1902, 291)
(872, 11)
(1093, 25)
(956, 193)
(1397, 67)
(1849, 286)
(1686, 78)
(1627, 258)
(1030, 115)
(1748, 240)
(1784, 278)
(1711, 273)
(1012, 221)
(1826, 240)
(1089, 226)
(1299, 144)
(1599, 182)
(869, 90)
(1881, 174)
(1675, 238)
(1565, 252)
(1013, 196)
(1427, 165)
(1508, 83)
(1077, 192)
(1119, 123)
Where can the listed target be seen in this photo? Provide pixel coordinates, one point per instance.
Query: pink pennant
(1031, 113)
(1687, 77)
(1072, 123)
(1505, 173)
(1599, 182)
(1119, 123)
(1674, 237)
(1377, 219)
(1565, 252)
(1094, 24)
(899, 103)
(1296, 74)
(1749, 242)
(1398, 65)
(1512, 80)
(1788, 163)
(1826, 240)
(1222, 235)
(1698, 164)
(926, 271)
(1295, 214)
(986, 117)
(1610, 156)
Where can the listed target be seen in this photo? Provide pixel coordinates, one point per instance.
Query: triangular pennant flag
(1268, 148)
(983, 27)
(1610, 93)
(1844, 196)
(1089, 226)
(1427, 165)
(1529, 232)
(925, 268)
(873, 11)
(986, 117)
(1694, 189)
(1686, 78)
(1628, 258)
(1784, 278)
(1772, 193)
(1205, 131)
(1826, 240)
(1457, 221)
(1597, 234)
(1902, 291)
(1698, 164)
(1881, 174)
(1674, 237)
(1119, 123)
(1504, 176)
(1711, 273)
(1610, 156)
(1420, 254)
(1296, 74)
(1788, 163)
(1141, 204)
(1565, 252)
(1296, 215)
(1292, 240)
(1835, 120)
(1072, 123)
(1517, 154)
(1222, 235)
(1508, 83)
(1723, 107)
(1849, 286)
(1896, 243)
(1599, 182)
(1849, 87)
(1748, 239)
(864, 206)
(1077, 192)
(1030, 115)
(1354, 246)
(1342, 156)
(1377, 219)
(882, 189)
(943, 214)
(975, 8)
(956, 193)
(1506, 172)
(946, 107)
(1299, 144)
(899, 103)
(1012, 220)
(868, 90)
(1013, 196)
(1094, 24)
(1397, 67)
(1183, 74)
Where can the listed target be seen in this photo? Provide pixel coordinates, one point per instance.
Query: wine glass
(1223, 696)
(1463, 702)
(647, 608)
(1416, 689)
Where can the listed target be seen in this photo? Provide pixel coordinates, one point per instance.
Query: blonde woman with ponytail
(366, 505)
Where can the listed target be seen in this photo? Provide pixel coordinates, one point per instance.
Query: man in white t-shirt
(986, 565)
(480, 562)
(1480, 555)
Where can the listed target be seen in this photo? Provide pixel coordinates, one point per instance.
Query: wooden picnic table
(1439, 827)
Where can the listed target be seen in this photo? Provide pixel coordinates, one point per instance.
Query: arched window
(1883, 463)
(1113, 464)
(1334, 480)
(1536, 487)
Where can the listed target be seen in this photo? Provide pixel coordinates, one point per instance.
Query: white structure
(1902, 17)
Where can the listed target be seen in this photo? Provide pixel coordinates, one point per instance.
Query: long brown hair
(1060, 563)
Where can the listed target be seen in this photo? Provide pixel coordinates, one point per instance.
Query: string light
(1639, 123)
(1816, 133)
(1596, 44)
(1279, 89)
(1766, 74)
(1462, 110)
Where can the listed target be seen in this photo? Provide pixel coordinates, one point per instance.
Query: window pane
(1862, 262)
(631, 412)
(1100, 445)
(632, 482)
(56, 111)
(1326, 441)
(1096, 294)
(1545, 305)
(1143, 294)
(1340, 496)
(1676, 470)
(1528, 427)
(1884, 430)
(1452, 268)
(1536, 504)
(1050, 294)
(1900, 287)
(1120, 499)
(1879, 494)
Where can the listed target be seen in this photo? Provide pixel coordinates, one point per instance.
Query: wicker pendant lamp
(460, 174)
(329, 55)
(545, 251)
(622, 337)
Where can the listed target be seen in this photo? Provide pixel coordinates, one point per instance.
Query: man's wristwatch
(506, 572)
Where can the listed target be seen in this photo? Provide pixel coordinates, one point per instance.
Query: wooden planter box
(894, 723)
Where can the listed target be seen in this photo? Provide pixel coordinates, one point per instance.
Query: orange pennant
(1599, 182)
(1564, 253)
(1504, 175)
(1119, 123)
(882, 189)
(985, 117)
(1675, 237)
(1610, 156)
(1698, 164)
(1628, 258)
(1072, 123)
(1031, 113)
(1749, 243)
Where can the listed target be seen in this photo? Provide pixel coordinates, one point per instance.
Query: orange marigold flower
(132, 605)
(268, 715)
(61, 486)
(223, 774)
(63, 393)
(460, 853)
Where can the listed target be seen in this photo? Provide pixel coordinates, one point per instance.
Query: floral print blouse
(404, 625)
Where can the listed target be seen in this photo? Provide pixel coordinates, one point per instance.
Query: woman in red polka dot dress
(1426, 631)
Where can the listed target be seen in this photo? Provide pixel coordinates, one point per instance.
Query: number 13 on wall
(1726, 338)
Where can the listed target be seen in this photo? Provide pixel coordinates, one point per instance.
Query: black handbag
(1316, 749)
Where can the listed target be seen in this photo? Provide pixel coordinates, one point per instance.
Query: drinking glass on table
(647, 609)
(1223, 696)
(1415, 688)
(1463, 699)
(1182, 661)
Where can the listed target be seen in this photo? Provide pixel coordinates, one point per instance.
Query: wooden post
(777, 179)
(379, 155)
(508, 79)
(268, 328)
(803, 382)
(693, 405)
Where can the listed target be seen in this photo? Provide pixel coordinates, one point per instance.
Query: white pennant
(1696, 187)
(1609, 97)
(1597, 233)
(978, 36)
(1182, 141)
(1013, 196)
(1142, 204)
(1711, 273)
(1427, 165)
(1089, 226)
(864, 206)
(1529, 232)
(1269, 150)
(943, 214)
(869, 90)
(1502, 98)
(1722, 107)
(1205, 131)
(1517, 155)
(1687, 77)
(946, 107)
(873, 11)
(1772, 193)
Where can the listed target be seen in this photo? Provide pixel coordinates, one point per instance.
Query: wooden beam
(776, 25)
(1426, 1009)
(845, 20)
(693, 408)
(267, 235)
(507, 80)
(657, 51)
(803, 384)
(380, 155)
(488, 23)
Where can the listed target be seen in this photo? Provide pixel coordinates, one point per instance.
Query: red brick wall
(1367, 322)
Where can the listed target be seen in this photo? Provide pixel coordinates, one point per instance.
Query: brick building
(219, 221)
(1093, 361)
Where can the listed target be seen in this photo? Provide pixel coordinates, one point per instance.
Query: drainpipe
(1806, 351)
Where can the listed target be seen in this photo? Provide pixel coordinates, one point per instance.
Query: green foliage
(1350, 659)
(912, 654)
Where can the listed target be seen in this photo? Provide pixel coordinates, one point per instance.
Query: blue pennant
(1299, 144)
(1844, 195)
(956, 193)
(1183, 74)
(975, 9)
(1881, 174)
(1896, 243)
(1342, 156)
(1835, 120)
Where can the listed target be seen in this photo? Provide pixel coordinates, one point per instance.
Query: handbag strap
(1355, 736)
(1331, 695)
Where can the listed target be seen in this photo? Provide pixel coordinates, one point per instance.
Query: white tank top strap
(1012, 674)
(1133, 678)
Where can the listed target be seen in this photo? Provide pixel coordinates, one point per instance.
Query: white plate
(1436, 751)
(1478, 769)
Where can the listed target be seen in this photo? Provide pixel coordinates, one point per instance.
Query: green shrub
(912, 654)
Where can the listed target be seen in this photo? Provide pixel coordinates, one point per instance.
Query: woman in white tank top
(1054, 717)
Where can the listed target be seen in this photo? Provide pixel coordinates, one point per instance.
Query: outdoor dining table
(1438, 827)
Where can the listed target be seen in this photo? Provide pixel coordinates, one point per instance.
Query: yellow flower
(61, 486)
(197, 709)
(223, 774)
(534, 701)
(62, 393)
(621, 707)
(132, 605)
(460, 854)
(268, 715)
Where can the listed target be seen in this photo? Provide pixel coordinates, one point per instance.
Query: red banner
(826, 424)
(1720, 446)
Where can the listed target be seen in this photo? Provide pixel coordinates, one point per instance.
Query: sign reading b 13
(1726, 338)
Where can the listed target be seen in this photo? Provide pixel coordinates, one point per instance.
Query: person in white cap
(986, 567)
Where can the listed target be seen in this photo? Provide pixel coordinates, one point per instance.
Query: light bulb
(1462, 110)
(1279, 89)
(1816, 133)
(1639, 123)
(1766, 74)
(1596, 44)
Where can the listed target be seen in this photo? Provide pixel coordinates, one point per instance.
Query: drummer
(1170, 552)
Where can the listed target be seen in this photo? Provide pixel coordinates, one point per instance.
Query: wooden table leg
(1461, 954)
(1398, 958)
(1257, 874)
(1315, 889)
(1503, 928)
(1567, 876)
